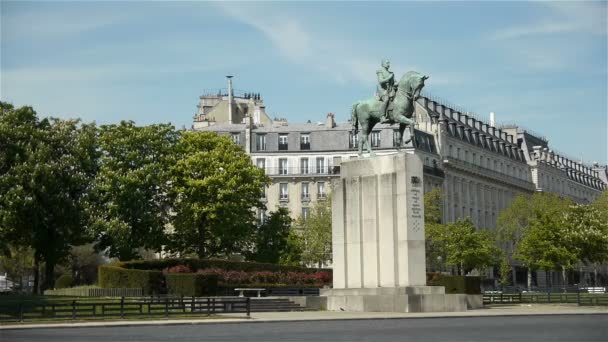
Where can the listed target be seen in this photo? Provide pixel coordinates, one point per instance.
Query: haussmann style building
(479, 166)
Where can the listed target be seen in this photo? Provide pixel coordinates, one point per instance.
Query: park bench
(243, 290)
(596, 290)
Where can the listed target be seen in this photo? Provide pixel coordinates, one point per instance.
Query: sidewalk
(264, 317)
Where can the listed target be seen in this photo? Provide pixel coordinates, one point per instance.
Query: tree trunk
(36, 273)
(564, 277)
(49, 276)
(594, 275)
(529, 279)
(200, 248)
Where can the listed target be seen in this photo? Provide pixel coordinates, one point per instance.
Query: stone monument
(378, 239)
(378, 215)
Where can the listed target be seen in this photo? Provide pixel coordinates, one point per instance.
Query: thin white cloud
(562, 17)
(303, 46)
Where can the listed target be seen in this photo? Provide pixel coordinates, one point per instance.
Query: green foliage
(586, 233)
(191, 284)
(316, 234)
(433, 204)
(514, 220)
(505, 272)
(469, 249)
(292, 255)
(455, 284)
(115, 276)
(216, 187)
(83, 262)
(64, 281)
(544, 244)
(46, 170)
(270, 239)
(131, 189)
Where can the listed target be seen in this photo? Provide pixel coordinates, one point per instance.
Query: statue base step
(395, 299)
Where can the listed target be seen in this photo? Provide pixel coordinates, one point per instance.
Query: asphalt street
(522, 329)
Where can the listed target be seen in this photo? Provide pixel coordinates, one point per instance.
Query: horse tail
(354, 117)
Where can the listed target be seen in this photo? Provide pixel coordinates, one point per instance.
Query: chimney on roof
(492, 119)
(229, 77)
(330, 123)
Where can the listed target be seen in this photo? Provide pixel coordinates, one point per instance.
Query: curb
(271, 320)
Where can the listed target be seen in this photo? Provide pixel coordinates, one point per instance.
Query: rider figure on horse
(386, 87)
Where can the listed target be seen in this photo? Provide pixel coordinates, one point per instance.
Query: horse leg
(362, 137)
(368, 143)
(400, 141)
(408, 122)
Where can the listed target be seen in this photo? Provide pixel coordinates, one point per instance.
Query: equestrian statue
(394, 103)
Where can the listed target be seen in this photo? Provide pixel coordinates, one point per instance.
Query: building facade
(479, 167)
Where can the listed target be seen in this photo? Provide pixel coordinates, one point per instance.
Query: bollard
(73, 309)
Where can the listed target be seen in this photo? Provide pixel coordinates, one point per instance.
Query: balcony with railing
(299, 171)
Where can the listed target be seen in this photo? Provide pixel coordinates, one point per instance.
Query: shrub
(191, 284)
(323, 277)
(114, 276)
(455, 284)
(229, 265)
(63, 281)
(177, 269)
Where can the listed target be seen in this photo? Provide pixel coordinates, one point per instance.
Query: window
(236, 138)
(395, 138)
(304, 166)
(283, 166)
(321, 190)
(283, 145)
(320, 165)
(305, 142)
(263, 196)
(305, 213)
(305, 193)
(458, 152)
(353, 140)
(261, 163)
(283, 193)
(466, 156)
(260, 142)
(375, 139)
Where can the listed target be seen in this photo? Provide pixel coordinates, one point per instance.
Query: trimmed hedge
(191, 284)
(115, 276)
(455, 284)
(196, 264)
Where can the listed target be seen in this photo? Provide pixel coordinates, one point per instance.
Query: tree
(132, 188)
(435, 232)
(513, 222)
(216, 189)
(469, 249)
(544, 244)
(292, 256)
(505, 271)
(270, 239)
(586, 233)
(45, 184)
(316, 234)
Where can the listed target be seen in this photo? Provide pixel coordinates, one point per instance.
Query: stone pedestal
(378, 239)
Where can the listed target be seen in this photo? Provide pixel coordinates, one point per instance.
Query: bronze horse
(367, 113)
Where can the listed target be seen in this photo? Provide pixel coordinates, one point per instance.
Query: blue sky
(542, 65)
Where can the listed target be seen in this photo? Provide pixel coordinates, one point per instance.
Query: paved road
(521, 329)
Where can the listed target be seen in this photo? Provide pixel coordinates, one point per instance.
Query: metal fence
(96, 292)
(580, 298)
(121, 308)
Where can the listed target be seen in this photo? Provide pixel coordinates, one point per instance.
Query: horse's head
(411, 84)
